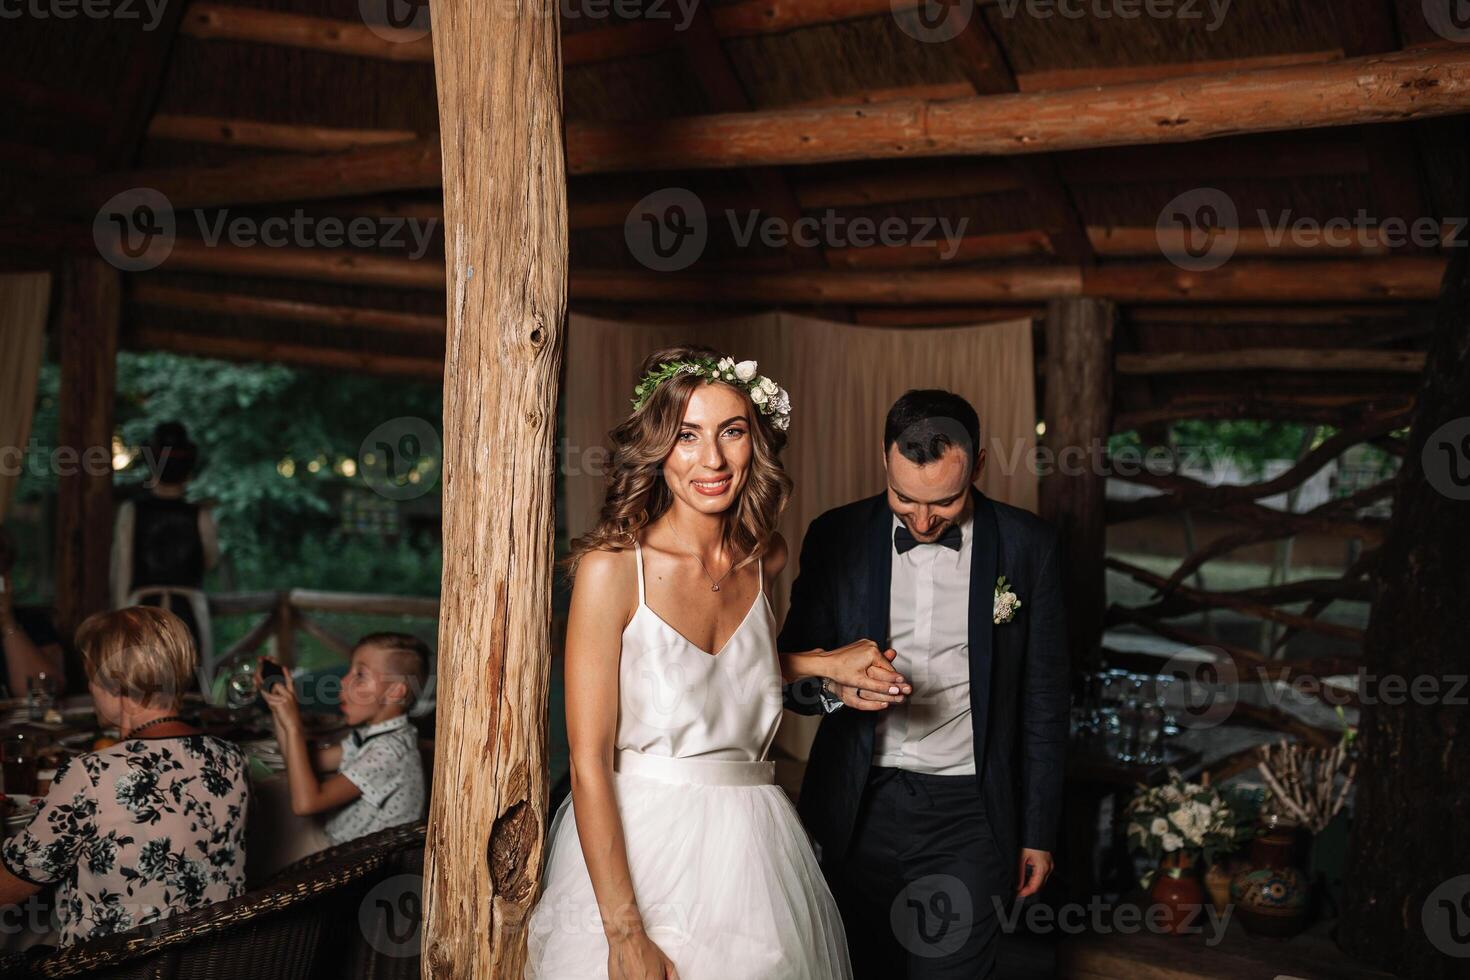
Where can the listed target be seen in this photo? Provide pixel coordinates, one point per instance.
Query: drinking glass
(41, 693)
(240, 684)
(1151, 733)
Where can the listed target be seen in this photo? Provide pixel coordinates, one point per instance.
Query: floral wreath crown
(768, 396)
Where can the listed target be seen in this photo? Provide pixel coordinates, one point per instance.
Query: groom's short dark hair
(926, 422)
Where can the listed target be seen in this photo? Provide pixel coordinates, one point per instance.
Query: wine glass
(41, 693)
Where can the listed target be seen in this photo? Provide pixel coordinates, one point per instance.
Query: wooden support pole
(91, 297)
(1078, 415)
(1413, 769)
(497, 69)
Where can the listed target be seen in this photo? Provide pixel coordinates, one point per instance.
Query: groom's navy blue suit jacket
(1019, 691)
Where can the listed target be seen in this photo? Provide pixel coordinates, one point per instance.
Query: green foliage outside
(255, 424)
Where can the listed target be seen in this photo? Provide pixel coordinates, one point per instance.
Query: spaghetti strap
(760, 573)
(638, 557)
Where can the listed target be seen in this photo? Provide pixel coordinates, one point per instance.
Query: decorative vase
(1177, 890)
(1271, 892)
(1217, 884)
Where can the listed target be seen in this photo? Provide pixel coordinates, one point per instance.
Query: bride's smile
(712, 452)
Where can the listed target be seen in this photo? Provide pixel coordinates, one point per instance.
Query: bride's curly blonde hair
(637, 494)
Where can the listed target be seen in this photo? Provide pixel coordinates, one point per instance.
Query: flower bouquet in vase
(1179, 824)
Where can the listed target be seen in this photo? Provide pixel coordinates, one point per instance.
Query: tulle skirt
(724, 875)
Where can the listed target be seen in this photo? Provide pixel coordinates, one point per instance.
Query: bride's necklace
(714, 583)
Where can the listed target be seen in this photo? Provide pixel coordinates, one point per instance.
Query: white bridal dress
(724, 876)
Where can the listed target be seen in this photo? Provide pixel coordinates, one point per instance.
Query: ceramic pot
(1217, 884)
(1271, 892)
(1177, 890)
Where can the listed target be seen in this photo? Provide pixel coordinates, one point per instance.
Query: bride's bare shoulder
(606, 577)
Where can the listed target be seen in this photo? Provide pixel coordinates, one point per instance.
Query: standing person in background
(161, 539)
(29, 646)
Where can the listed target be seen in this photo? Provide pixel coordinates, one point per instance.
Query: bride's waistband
(710, 772)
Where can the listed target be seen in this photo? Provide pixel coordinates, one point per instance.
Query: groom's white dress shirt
(929, 628)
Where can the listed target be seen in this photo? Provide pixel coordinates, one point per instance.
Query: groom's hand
(1035, 869)
(861, 676)
(877, 695)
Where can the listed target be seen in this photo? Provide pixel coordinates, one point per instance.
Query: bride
(676, 855)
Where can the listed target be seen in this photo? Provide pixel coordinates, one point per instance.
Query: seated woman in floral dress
(151, 826)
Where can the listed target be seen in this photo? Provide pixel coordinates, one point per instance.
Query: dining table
(275, 835)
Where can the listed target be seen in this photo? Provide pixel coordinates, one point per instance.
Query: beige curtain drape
(23, 305)
(842, 379)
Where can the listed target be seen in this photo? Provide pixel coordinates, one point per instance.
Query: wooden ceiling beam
(943, 316)
(705, 58)
(1369, 27)
(1192, 316)
(153, 295)
(1064, 78)
(1421, 83)
(629, 39)
(225, 22)
(1246, 281)
(273, 352)
(261, 135)
(983, 61)
(1313, 359)
(1412, 84)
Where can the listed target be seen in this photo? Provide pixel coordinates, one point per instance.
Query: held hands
(636, 957)
(860, 674)
(1039, 865)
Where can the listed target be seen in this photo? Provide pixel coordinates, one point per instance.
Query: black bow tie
(903, 539)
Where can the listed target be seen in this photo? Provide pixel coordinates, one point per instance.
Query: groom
(932, 810)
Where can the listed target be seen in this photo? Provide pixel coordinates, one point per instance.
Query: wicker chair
(302, 925)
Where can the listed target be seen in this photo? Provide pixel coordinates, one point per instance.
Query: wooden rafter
(983, 61)
(1271, 359)
(256, 134)
(1393, 88)
(274, 352)
(291, 310)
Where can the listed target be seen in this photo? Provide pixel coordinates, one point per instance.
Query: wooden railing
(286, 613)
(1260, 524)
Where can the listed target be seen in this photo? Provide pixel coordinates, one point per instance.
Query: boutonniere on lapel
(1006, 602)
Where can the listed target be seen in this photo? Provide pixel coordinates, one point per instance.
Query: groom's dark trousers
(922, 864)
